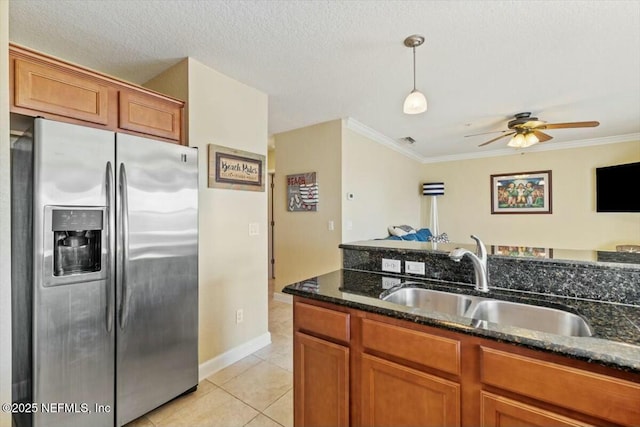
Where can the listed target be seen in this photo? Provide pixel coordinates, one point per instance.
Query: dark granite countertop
(616, 327)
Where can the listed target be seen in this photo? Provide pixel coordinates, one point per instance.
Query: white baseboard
(277, 296)
(230, 357)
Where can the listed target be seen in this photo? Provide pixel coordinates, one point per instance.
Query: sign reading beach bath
(302, 192)
(235, 169)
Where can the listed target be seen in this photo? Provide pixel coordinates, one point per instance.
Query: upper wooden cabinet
(57, 91)
(44, 86)
(146, 113)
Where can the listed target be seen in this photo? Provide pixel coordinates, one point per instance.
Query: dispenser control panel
(76, 219)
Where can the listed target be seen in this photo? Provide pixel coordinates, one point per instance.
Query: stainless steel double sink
(506, 313)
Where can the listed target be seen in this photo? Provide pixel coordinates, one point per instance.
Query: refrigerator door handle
(112, 246)
(124, 230)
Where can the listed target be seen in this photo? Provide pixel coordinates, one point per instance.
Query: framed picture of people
(521, 193)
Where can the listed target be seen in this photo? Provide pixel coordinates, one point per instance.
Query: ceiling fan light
(415, 103)
(517, 141)
(530, 139)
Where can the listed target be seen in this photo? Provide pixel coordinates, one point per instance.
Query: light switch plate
(414, 267)
(391, 265)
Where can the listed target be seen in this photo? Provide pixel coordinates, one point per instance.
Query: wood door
(395, 395)
(498, 411)
(149, 114)
(321, 386)
(51, 89)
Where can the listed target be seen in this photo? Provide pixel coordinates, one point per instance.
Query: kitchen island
(359, 360)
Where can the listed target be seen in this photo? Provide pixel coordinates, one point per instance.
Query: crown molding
(391, 143)
(378, 137)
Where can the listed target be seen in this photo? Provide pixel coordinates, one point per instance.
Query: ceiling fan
(526, 130)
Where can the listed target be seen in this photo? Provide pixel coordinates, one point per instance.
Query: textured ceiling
(482, 61)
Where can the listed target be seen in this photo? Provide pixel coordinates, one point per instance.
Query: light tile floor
(256, 391)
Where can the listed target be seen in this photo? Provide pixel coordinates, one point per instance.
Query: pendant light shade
(416, 102)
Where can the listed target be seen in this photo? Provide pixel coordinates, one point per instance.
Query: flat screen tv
(616, 188)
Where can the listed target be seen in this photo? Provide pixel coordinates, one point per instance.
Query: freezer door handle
(124, 230)
(112, 246)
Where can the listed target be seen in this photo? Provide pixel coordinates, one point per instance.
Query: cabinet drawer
(594, 394)
(145, 113)
(321, 321)
(498, 411)
(420, 347)
(51, 90)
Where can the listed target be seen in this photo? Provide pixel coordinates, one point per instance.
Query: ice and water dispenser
(78, 235)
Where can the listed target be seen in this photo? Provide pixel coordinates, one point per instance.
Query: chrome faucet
(479, 263)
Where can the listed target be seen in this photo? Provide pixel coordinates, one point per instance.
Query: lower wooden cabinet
(396, 395)
(321, 382)
(500, 411)
(589, 393)
(362, 369)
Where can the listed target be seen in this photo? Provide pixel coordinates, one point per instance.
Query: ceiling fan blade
(487, 133)
(495, 139)
(542, 137)
(570, 125)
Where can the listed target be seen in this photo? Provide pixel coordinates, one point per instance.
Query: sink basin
(429, 299)
(533, 317)
(505, 313)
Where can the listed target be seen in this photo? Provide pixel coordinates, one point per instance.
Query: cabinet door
(395, 395)
(149, 114)
(57, 91)
(321, 386)
(499, 411)
(611, 399)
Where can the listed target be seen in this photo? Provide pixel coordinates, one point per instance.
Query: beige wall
(574, 224)
(385, 185)
(5, 220)
(232, 264)
(271, 160)
(304, 246)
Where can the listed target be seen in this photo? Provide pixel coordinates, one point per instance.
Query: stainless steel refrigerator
(105, 265)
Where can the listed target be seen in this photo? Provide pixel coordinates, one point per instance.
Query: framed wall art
(302, 192)
(235, 169)
(521, 193)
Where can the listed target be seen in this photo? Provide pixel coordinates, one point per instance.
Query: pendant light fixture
(415, 103)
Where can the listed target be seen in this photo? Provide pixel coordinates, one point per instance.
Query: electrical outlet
(391, 265)
(239, 315)
(390, 282)
(414, 267)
